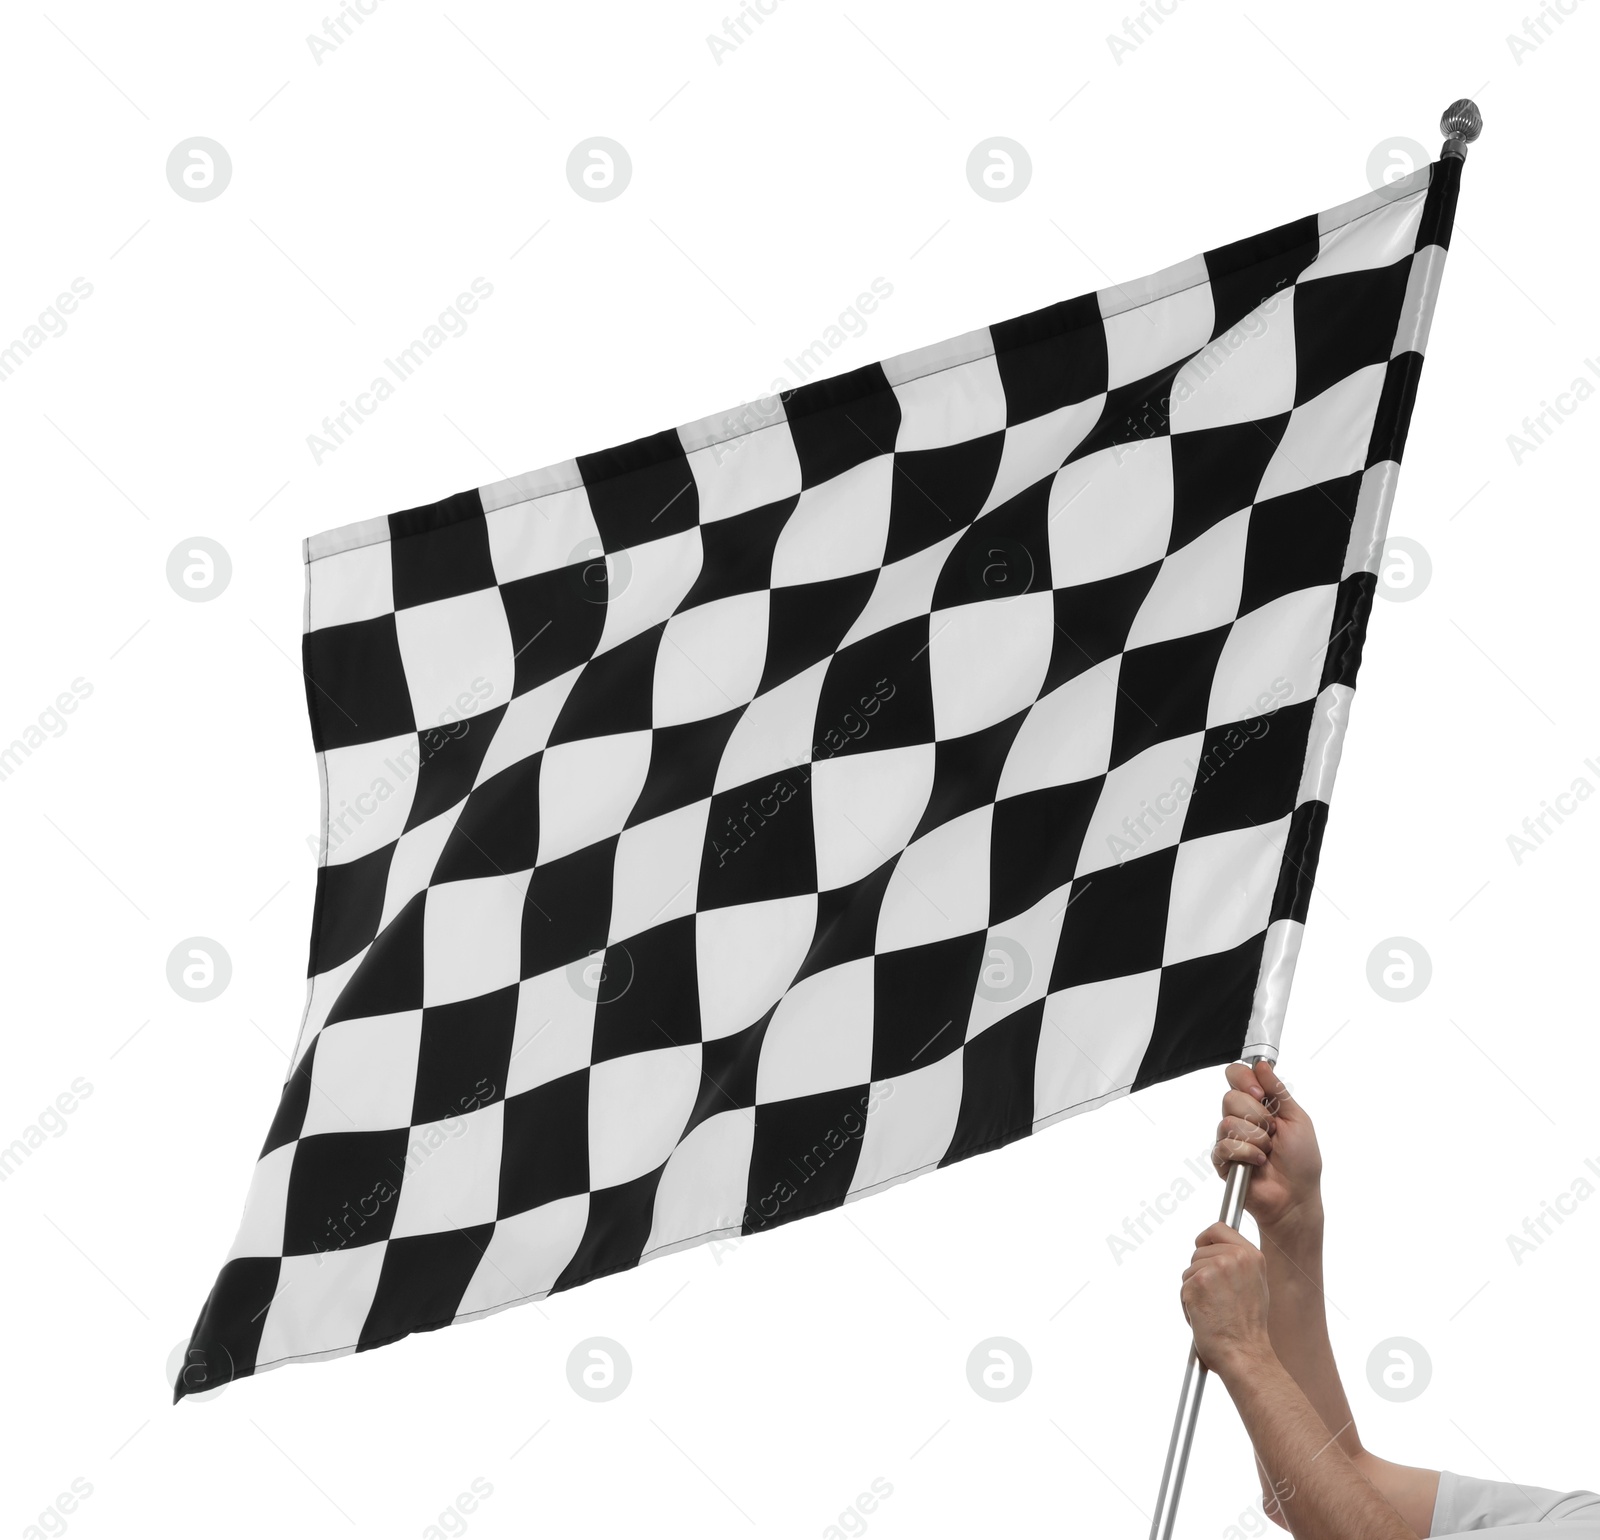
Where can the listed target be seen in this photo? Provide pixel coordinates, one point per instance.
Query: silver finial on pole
(1460, 123)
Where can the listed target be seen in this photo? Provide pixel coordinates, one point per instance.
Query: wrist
(1249, 1358)
(1299, 1228)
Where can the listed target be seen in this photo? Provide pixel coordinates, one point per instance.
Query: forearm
(1298, 1323)
(1320, 1493)
(1298, 1327)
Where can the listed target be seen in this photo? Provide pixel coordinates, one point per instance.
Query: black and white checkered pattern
(734, 823)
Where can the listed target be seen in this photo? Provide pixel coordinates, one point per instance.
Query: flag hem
(1011, 1135)
(1391, 423)
(898, 369)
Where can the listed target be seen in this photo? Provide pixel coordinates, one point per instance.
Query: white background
(771, 1383)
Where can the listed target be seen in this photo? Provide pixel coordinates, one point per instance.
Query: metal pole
(1194, 1374)
(1460, 123)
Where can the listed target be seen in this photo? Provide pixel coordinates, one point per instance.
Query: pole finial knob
(1460, 123)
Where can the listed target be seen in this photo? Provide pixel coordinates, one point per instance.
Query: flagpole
(1460, 123)
(1194, 1374)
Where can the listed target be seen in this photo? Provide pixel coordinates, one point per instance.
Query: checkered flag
(743, 820)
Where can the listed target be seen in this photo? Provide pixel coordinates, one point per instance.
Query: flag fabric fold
(732, 824)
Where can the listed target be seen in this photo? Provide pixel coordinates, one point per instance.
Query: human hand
(1266, 1128)
(1224, 1298)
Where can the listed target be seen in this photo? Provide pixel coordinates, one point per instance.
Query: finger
(1206, 1256)
(1235, 1152)
(1239, 1143)
(1245, 1132)
(1279, 1102)
(1240, 1104)
(1241, 1077)
(1219, 1234)
(1213, 1251)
